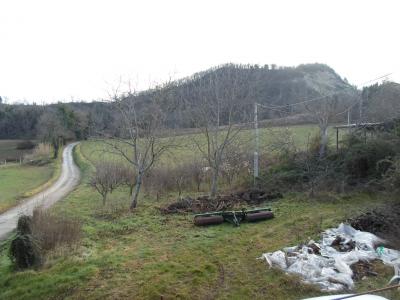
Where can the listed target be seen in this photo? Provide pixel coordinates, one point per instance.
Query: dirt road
(67, 181)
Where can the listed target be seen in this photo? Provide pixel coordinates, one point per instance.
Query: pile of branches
(222, 202)
(383, 221)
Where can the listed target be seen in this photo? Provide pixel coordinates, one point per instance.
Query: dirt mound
(383, 222)
(223, 202)
(362, 269)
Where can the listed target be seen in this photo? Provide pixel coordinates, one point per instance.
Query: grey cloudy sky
(63, 50)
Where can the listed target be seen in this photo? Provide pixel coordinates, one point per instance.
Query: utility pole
(348, 116)
(361, 104)
(348, 119)
(256, 143)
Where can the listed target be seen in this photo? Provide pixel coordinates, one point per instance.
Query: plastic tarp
(327, 262)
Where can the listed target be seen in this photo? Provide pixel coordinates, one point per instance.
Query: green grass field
(16, 180)
(187, 149)
(148, 255)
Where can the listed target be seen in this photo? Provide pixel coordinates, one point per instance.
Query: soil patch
(222, 202)
(362, 269)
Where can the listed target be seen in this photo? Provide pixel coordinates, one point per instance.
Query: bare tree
(141, 123)
(129, 178)
(327, 109)
(220, 104)
(196, 173)
(237, 162)
(106, 178)
(52, 131)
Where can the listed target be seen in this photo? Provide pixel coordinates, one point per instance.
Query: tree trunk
(55, 148)
(324, 141)
(131, 189)
(137, 190)
(214, 183)
(104, 199)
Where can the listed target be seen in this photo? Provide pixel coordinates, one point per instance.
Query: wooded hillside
(268, 85)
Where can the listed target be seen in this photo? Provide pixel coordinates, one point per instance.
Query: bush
(391, 178)
(25, 145)
(361, 159)
(314, 144)
(236, 163)
(107, 177)
(160, 180)
(185, 176)
(52, 230)
(24, 249)
(41, 154)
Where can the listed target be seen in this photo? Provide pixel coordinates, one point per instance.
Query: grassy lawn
(16, 180)
(147, 255)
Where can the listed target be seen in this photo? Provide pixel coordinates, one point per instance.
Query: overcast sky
(62, 50)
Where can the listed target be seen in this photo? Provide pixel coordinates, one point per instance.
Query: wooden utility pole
(256, 142)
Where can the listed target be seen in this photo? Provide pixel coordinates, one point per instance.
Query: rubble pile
(383, 221)
(222, 202)
(341, 256)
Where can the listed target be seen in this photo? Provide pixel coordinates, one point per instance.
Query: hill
(268, 85)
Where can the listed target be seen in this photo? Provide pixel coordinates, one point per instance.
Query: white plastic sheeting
(322, 264)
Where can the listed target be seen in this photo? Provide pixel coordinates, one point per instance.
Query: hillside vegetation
(269, 85)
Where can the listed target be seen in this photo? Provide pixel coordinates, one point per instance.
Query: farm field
(187, 149)
(16, 180)
(150, 255)
(9, 152)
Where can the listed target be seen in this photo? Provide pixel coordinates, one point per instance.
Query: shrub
(185, 176)
(41, 154)
(107, 177)
(314, 144)
(195, 173)
(24, 249)
(52, 230)
(236, 163)
(361, 159)
(128, 177)
(160, 180)
(391, 178)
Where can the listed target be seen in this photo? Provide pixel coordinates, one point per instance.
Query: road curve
(67, 181)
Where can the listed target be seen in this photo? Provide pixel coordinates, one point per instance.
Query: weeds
(53, 230)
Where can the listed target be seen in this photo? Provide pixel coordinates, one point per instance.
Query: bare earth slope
(68, 180)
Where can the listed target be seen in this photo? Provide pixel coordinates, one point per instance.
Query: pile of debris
(342, 255)
(362, 269)
(383, 221)
(222, 202)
